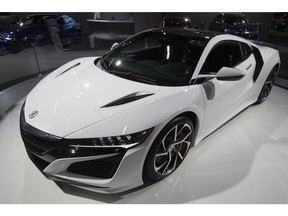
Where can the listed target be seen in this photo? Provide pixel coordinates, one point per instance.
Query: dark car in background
(180, 22)
(280, 22)
(8, 20)
(236, 24)
(37, 30)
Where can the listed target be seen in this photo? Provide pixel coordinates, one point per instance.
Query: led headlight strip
(123, 141)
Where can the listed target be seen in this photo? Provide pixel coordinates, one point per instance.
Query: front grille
(44, 148)
(100, 168)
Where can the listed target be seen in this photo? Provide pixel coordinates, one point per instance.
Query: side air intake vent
(127, 99)
(73, 66)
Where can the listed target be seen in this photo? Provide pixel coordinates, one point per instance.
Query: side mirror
(113, 46)
(229, 74)
(225, 74)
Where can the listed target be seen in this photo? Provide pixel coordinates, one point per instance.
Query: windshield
(236, 20)
(156, 58)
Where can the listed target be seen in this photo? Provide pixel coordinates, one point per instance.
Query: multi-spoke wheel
(265, 91)
(169, 149)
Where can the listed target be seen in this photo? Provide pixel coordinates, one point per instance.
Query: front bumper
(105, 170)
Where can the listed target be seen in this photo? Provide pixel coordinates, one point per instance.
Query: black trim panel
(259, 63)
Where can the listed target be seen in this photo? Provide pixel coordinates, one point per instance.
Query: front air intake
(103, 168)
(73, 66)
(127, 99)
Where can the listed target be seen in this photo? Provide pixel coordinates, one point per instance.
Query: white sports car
(110, 124)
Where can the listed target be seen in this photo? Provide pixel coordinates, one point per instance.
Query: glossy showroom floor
(246, 161)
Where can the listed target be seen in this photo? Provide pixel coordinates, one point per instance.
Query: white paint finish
(146, 113)
(79, 94)
(229, 98)
(246, 161)
(70, 101)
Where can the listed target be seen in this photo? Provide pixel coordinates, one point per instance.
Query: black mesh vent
(100, 168)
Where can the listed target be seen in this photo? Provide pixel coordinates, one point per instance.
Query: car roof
(203, 34)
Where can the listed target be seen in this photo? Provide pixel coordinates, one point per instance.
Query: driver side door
(225, 98)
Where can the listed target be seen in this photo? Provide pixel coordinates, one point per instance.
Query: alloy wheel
(267, 85)
(173, 148)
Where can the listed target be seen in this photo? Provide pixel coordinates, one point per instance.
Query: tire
(266, 89)
(169, 149)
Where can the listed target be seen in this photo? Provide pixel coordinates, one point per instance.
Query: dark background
(97, 38)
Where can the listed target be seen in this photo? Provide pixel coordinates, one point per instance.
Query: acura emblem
(33, 114)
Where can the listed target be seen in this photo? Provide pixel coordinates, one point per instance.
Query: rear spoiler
(262, 43)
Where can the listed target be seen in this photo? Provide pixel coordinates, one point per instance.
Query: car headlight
(123, 141)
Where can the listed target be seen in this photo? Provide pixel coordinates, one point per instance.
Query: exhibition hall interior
(243, 161)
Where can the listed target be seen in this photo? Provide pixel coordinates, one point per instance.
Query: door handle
(249, 66)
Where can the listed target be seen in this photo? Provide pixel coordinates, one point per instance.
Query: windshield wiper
(135, 77)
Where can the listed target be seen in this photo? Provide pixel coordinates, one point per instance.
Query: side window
(246, 50)
(223, 54)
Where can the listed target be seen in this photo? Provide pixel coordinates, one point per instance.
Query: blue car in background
(236, 24)
(37, 30)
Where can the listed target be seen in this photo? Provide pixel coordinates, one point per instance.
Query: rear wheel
(169, 149)
(266, 89)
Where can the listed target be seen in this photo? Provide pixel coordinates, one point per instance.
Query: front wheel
(169, 149)
(266, 89)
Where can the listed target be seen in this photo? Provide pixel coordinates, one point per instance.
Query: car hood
(79, 94)
(21, 31)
